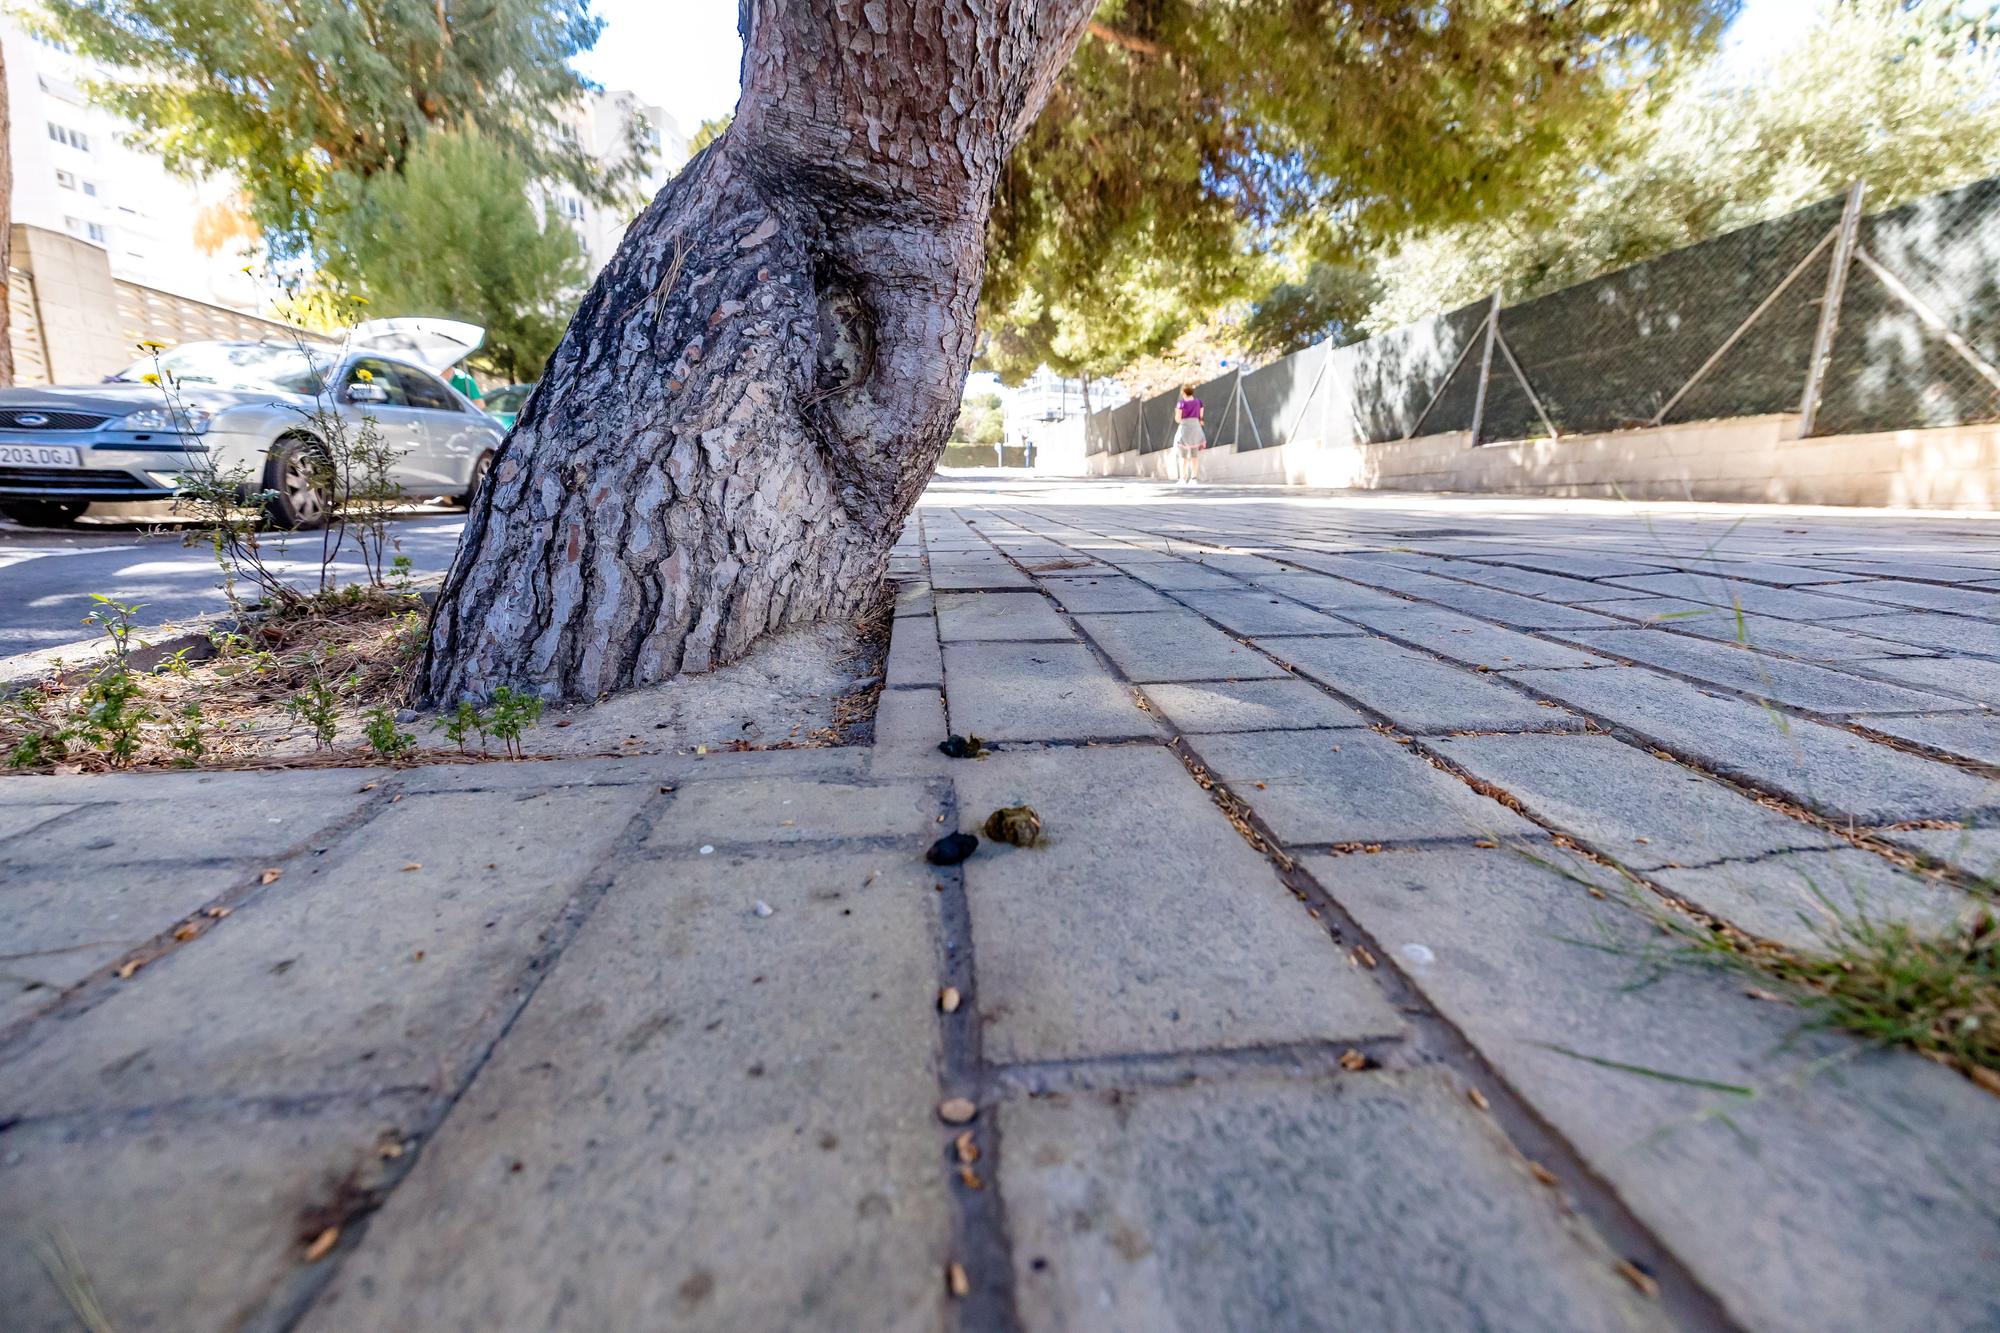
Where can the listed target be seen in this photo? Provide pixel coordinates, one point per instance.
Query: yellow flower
(150, 378)
(365, 376)
(152, 345)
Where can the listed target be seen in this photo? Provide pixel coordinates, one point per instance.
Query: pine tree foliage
(299, 98)
(1181, 127)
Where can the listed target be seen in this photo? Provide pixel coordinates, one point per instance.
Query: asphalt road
(47, 577)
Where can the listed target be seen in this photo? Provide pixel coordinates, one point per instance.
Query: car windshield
(291, 369)
(508, 399)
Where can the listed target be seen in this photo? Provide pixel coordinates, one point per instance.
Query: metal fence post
(1829, 310)
(1485, 370)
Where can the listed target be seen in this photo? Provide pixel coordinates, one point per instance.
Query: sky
(684, 54)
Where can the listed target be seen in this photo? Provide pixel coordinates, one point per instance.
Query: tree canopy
(1188, 139)
(1904, 95)
(456, 234)
(292, 96)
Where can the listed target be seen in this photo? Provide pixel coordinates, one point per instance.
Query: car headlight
(176, 421)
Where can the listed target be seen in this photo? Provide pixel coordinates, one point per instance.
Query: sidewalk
(1320, 1008)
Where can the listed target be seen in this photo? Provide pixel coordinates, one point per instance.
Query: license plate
(39, 455)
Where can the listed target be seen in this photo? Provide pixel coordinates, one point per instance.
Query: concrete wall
(72, 322)
(1747, 459)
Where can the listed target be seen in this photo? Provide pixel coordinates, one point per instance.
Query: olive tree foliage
(460, 232)
(1188, 139)
(302, 98)
(1903, 95)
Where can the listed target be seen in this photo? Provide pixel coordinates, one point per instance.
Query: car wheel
(44, 513)
(297, 499)
(478, 482)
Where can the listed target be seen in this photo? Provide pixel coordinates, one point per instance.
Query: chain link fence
(1856, 322)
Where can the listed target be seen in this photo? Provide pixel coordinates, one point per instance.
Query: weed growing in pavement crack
(383, 737)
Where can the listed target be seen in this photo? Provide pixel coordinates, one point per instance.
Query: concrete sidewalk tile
(909, 718)
(1821, 767)
(1250, 610)
(1351, 786)
(959, 572)
(1037, 692)
(1144, 924)
(706, 1119)
(1250, 705)
(1180, 575)
(1415, 690)
(1965, 600)
(1753, 598)
(1361, 1202)
(1511, 609)
(1555, 989)
(1967, 677)
(1104, 594)
(914, 598)
(968, 617)
(1974, 850)
(236, 821)
(1973, 736)
(913, 653)
(1612, 795)
(1760, 675)
(1175, 645)
(1802, 899)
(178, 1222)
(1328, 593)
(1470, 642)
(273, 999)
(1536, 583)
(770, 810)
(18, 819)
(1928, 629)
(1811, 643)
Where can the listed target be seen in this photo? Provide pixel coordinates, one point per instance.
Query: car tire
(478, 481)
(44, 513)
(295, 504)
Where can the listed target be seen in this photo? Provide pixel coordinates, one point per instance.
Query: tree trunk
(758, 387)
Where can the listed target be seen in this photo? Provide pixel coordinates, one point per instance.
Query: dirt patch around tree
(327, 683)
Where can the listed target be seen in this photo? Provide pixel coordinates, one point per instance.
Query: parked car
(505, 404)
(249, 403)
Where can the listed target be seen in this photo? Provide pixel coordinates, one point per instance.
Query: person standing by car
(1189, 436)
(461, 380)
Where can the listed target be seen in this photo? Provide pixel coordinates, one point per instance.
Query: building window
(94, 230)
(90, 188)
(66, 180)
(570, 207)
(65, 135)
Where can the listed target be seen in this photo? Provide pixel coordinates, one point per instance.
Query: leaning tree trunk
(755, 391)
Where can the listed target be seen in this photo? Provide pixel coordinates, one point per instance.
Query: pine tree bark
(755, 391)
(6, 231)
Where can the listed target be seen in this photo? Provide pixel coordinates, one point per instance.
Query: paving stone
(706, 1119)
(998, 615)
(1970, 601)
(955, 572)
(1415, 690)
(215, 823)
(1251, 610)
(1470, 642)
(1778, 573)
(1351, 786)
(1104, 594)
(1328, 593)
(1181, 939)
(1759, 675)
(1968, 735)
(1180, 575)
(1819, 766)
(1802, 899)
(913, 653)
(1579, 564)
(1810, 643)
(1548, 982)
(1367, 1201)
(177, 1222)
(1535, 583)
(63, 921)
(913, 598)
(1037, 692)
(348, 973)
(1175, 645)
(18, 819)
(1754, 598)
(909, 718)
(763, 811)
(1974, 850)
(1967, 677)
(1510, 609)
(1948, 634)
(1250, 705)
(1611, 796)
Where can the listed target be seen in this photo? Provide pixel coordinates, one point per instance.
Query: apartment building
(604, 124)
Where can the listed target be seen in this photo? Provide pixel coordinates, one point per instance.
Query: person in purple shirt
(1189, 437)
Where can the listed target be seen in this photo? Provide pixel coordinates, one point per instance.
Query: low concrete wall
(1745, 460)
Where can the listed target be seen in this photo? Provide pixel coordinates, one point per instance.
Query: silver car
(233, 403)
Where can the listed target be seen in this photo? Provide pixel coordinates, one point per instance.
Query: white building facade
(74, 173)
(605, 124)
